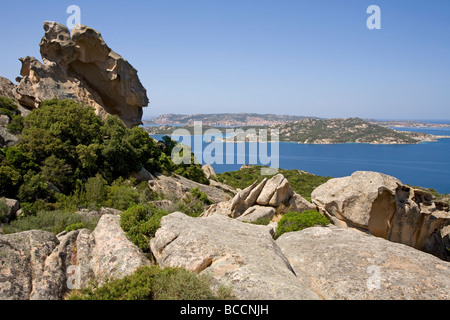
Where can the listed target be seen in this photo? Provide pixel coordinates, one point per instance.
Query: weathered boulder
(7, 88)
(350, 198)
(344, 263)
(209, 171)
(256, 213)
(233, 253)
(276, 191)
(7, 139)
(82, 67)
(22, 263)
(113, 255)
(271, 193)
(175, 187)
(386, 208)
(299, 204)
(142, 175)
(12, 206)
(4, 120)
(35, 265)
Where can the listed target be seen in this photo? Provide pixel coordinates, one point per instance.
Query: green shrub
(52, 221)
(262, 221)
(3, 210)
(121, 195)
(7, 104)
(75, 226)
(16, 124)
(140, 223)
(295, 221)
(154, 283)
(200, 195)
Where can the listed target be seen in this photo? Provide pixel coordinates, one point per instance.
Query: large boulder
(22, 264)
(347, 264)
(82, 67)
(7, 88)
(209, 171)
(233, 253)
(271, 193)
(11, 206)
(36, 265)
(386, 208)
(176, 186)
(351, 198)
(112, 254)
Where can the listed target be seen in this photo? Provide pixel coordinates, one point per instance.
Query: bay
(425, 164)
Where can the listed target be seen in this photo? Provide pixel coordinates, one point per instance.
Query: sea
(425, 164)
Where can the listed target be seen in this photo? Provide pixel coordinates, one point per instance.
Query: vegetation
(294, 221)
(3, 210)
(65, 143)
(52, 221)
(140, 222)
(193, 203)
(69, 158)
(154, 283)
(302, 182)
(9, 108)
(351, 130)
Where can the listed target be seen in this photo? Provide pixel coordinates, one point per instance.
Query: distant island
(297, 129)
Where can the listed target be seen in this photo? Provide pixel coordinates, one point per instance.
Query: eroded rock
(386, 208)
(234, 253)
(82, 67)
(347, 264)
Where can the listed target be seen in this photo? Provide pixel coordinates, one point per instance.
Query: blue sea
(425, 164)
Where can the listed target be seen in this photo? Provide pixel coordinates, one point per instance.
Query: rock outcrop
(209, 171)
(12, 207)
(347, 264)
(35, 265)
(176, 186)
(22, 263)
(79, 66)
(386, 208)
(270, 193)
(234, 253)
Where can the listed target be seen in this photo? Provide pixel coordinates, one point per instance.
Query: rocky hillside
(375, 247)
(79, 66)
(328, 131)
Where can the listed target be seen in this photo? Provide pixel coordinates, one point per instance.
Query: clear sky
(312, 58)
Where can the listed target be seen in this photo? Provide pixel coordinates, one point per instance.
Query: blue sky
(313, 58)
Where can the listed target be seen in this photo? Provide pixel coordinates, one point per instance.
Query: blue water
(425, 164)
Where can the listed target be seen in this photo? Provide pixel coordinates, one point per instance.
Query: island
(304, 130)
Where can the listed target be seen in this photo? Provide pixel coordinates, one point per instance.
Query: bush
(75, 226)
(121, 195)
(154, 283)
(52, 221)
(140, 223)
(295, 221)
(200, 195)
(16, 124)
(3, 210)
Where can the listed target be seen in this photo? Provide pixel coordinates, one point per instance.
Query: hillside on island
(93, 208)
(311, 131)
